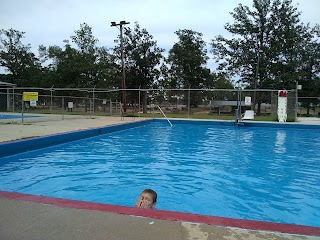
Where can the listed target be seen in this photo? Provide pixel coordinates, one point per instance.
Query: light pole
(256, 81)
(124, 98)
(51, 90)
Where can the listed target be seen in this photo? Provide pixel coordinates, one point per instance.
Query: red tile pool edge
(166, 215)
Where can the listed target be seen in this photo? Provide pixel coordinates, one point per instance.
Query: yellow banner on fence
(29, 96)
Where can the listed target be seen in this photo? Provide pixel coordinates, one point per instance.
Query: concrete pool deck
(23, 219)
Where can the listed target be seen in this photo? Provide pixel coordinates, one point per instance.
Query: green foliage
(130, 115)
(17, 58)
(310, 64)
(6, 78)
(188, 58)
(216, 117)
(85, 66)
(291, 119)
(142, 60)
(108, 73)
(268, 46)
(271, 48)
(85, 40)
(86, 56)
(219, 81)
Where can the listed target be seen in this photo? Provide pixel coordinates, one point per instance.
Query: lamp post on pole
(124, 98)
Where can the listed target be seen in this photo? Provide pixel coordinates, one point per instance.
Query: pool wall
(15, 147)
(280, 125)
(15, 116)
(19, 146)
(241, 124)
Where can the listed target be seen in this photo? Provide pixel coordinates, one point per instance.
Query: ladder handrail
(164, 115)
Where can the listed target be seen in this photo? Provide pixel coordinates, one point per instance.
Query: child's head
(148, 198)
(152, 193)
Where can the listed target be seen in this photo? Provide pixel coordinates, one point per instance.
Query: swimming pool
(14, 116)
(268, 174)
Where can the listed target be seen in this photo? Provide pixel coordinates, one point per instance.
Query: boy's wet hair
(153, 193)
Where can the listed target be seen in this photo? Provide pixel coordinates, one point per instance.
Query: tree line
(270, 48)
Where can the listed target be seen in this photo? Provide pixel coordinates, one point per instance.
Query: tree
(218, 81)
(142, 60)
(108, 73)
(65, 65)
(86, 66)
(18, 59)
(286, 46)
(187, 60)
(87, 53)
(266, 53)
(310, 63)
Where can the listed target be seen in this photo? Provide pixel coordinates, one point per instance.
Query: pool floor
(15, 116)
(76, 204)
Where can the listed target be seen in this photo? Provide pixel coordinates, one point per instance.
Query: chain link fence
(30, 105)
(36, 104)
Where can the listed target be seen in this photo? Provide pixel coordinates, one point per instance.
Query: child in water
(147, 199)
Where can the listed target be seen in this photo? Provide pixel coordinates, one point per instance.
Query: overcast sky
(49, 22)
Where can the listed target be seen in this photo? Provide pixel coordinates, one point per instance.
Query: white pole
(164, 115)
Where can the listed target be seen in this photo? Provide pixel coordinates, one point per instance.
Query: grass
(201, 116)
(168, 114)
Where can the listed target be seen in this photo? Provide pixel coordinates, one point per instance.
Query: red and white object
(282, 105)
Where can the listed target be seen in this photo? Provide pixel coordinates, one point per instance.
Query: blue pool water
(266, 174)
(13, 116)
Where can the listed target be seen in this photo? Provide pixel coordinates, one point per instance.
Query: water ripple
(251, 173)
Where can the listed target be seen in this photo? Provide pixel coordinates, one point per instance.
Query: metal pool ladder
(164, 115)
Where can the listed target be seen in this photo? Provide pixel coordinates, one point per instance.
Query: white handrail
(164, 115)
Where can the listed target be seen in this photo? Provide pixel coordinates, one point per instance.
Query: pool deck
(22, 217)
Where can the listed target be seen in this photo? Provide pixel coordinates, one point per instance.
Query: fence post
(93, 99)
(8, 100)
(139, 102)
(189, 96)
(22, 108)
(62, 108)
(90, 107)
(13, 101)
(296, 103)
(116, 107)
(238, 105)
(110, 111)
(51, 90)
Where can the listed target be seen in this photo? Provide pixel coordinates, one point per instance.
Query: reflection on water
(241, 172)
(280, 142)
(247, 137)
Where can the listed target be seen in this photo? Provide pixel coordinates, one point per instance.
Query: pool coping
(166, 215)
(29, 144)
(40, 142)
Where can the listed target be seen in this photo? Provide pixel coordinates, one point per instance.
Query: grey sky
(49, 22)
